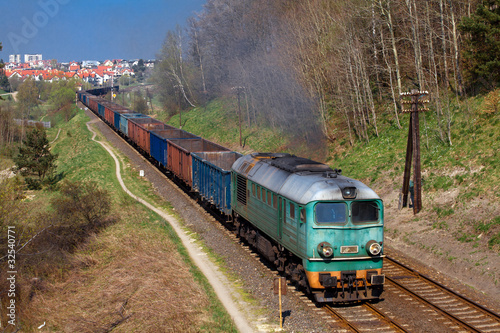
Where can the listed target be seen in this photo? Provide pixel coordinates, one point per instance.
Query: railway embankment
(217, 280)
(135, 274)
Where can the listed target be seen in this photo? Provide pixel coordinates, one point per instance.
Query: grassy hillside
(219, 122)
(132, 269)
(456, 177)
(460, 181)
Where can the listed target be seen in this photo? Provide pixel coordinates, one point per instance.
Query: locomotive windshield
(331, 212)
(364, 212)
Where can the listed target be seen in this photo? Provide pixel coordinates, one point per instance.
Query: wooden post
(413, 150)
(281, 312)
(280, 289)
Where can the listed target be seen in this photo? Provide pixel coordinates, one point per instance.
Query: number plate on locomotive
(349, 249)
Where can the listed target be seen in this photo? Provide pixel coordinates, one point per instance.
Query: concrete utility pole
(238, 91)
(413, 149)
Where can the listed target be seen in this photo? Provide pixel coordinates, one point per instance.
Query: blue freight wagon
(118, 111)
(158, 142)
(212, 177)
(124, 117)
(100, 108)
(84, 98)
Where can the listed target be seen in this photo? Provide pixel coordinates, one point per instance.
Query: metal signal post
(413, 148)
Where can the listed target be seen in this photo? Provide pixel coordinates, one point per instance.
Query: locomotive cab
(344, 249)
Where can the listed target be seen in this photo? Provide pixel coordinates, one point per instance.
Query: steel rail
(435, 307)
(480, 307)
(384, 317)
(444, 312)
(338, 315)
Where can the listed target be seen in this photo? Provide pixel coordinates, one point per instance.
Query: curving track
(217, 280)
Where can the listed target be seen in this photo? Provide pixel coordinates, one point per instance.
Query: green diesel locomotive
(322, 229)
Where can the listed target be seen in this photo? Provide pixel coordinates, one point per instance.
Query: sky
(77, 30)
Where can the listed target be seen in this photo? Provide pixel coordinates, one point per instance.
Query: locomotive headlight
(373, 248)
(325, 250)
(349, 193)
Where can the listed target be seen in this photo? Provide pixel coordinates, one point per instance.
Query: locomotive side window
(331, 212)
(302, 214)
(253, 190)
(269, 198)
(275, 201)
(364, 212)
(292, 210)
(258, 192)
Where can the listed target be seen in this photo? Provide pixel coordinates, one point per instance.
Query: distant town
(93, 72)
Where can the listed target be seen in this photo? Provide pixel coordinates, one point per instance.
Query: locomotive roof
(297, 178)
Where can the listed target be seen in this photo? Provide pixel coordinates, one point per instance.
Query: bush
(83, 204)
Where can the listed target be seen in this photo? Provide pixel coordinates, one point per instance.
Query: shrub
(81, 209)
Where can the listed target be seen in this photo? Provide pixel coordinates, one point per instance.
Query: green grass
(82, 159)
(443, 212)
(219, 122)
(468, 165)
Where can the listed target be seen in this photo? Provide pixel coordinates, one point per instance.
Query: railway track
(463, 313)
(364, 317)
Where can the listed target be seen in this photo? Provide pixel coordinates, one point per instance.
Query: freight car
(322, 229)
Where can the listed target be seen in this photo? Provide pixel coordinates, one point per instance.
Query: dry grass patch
(128, 279)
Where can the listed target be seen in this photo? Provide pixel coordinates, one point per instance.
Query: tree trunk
(433, 68)
(443, 41)
(389, 70)
(412, 12)
(456, 52)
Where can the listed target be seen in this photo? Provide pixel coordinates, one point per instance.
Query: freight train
(320, 228)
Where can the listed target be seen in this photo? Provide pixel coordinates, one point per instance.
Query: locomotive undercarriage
(350, 289)
(346, 289)
(284, 261)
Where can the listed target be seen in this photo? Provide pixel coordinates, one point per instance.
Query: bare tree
(197, 53)
(169, 71)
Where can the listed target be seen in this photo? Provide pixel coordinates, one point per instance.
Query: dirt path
(13, 94)
(217, 280)
(57, 137)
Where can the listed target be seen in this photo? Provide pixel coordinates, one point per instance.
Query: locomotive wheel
(304, 283)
